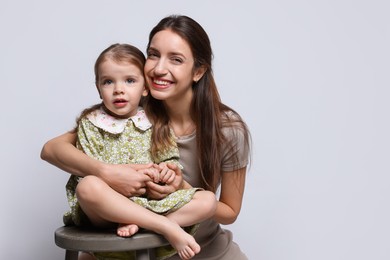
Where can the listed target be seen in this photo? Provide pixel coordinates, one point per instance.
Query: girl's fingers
(169, 176)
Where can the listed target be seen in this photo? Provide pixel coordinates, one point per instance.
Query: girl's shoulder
(140, 120)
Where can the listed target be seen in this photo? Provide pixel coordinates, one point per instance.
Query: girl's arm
(230, 200)
(124, 178)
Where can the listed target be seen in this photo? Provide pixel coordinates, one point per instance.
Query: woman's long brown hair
(208, 112)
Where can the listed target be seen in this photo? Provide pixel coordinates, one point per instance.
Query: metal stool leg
(71, 255)
(145, 254)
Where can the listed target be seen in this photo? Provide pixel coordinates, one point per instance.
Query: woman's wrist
(101, 170)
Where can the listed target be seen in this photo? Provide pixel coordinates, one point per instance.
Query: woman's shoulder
(231, 119)
(236, 144)
(234, 128)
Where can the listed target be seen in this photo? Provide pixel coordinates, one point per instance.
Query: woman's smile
(161, 83)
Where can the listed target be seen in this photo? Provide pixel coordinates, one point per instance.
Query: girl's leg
(201, 207)
(102, 205)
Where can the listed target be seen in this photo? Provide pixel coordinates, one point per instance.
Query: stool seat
(75, 239)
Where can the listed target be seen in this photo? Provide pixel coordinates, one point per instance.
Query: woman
(213, 140)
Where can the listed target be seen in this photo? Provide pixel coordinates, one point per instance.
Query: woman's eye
(152, 55)
(177, 60)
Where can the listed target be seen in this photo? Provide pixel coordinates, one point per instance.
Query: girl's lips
(120, 103)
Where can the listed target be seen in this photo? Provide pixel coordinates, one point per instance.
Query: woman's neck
(182, 127)
(179, 113)
(179, 108)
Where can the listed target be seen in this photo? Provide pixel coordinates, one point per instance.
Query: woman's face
(169, 67)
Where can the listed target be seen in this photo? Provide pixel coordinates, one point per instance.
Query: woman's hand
(157, 191)
(127, 179)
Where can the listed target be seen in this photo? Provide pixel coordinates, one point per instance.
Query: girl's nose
(118, 89)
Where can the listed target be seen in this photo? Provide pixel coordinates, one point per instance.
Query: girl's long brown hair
(208, 112)
(119, 53)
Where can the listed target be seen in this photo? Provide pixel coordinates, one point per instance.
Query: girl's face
(121, 85)
(169, 67)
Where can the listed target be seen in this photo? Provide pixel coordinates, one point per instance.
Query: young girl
(118, 132)
(213, 140)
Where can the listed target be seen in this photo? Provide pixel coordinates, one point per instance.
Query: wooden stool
(75, 239)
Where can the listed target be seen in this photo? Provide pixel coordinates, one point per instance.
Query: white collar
(115, 125)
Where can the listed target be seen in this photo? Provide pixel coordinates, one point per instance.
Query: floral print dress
(122, 141)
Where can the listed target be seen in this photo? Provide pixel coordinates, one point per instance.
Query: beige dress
(216, 243)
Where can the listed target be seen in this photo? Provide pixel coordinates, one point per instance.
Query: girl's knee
(208, 200)
(88, 188)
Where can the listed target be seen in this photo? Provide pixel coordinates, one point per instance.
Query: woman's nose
(160, 67)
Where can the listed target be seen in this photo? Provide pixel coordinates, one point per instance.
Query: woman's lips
(161, 84)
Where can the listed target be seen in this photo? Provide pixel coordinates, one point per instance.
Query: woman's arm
(61, 152)
(124, 178)
(230, 200)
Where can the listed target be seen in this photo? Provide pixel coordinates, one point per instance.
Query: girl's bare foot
(183, 242)
(126, 230)
(189, 251)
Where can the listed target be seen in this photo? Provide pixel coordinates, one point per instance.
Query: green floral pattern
(99, 137)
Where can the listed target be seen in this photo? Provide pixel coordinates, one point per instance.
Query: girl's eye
(129, 81)
(107, 82)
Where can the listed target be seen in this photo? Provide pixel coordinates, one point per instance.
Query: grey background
(311, 78)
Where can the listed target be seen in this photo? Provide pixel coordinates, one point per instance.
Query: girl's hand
(156, 191)
(152, 172)
(167, 176)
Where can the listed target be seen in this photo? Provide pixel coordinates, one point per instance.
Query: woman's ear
(145, 92)
(199, 72)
